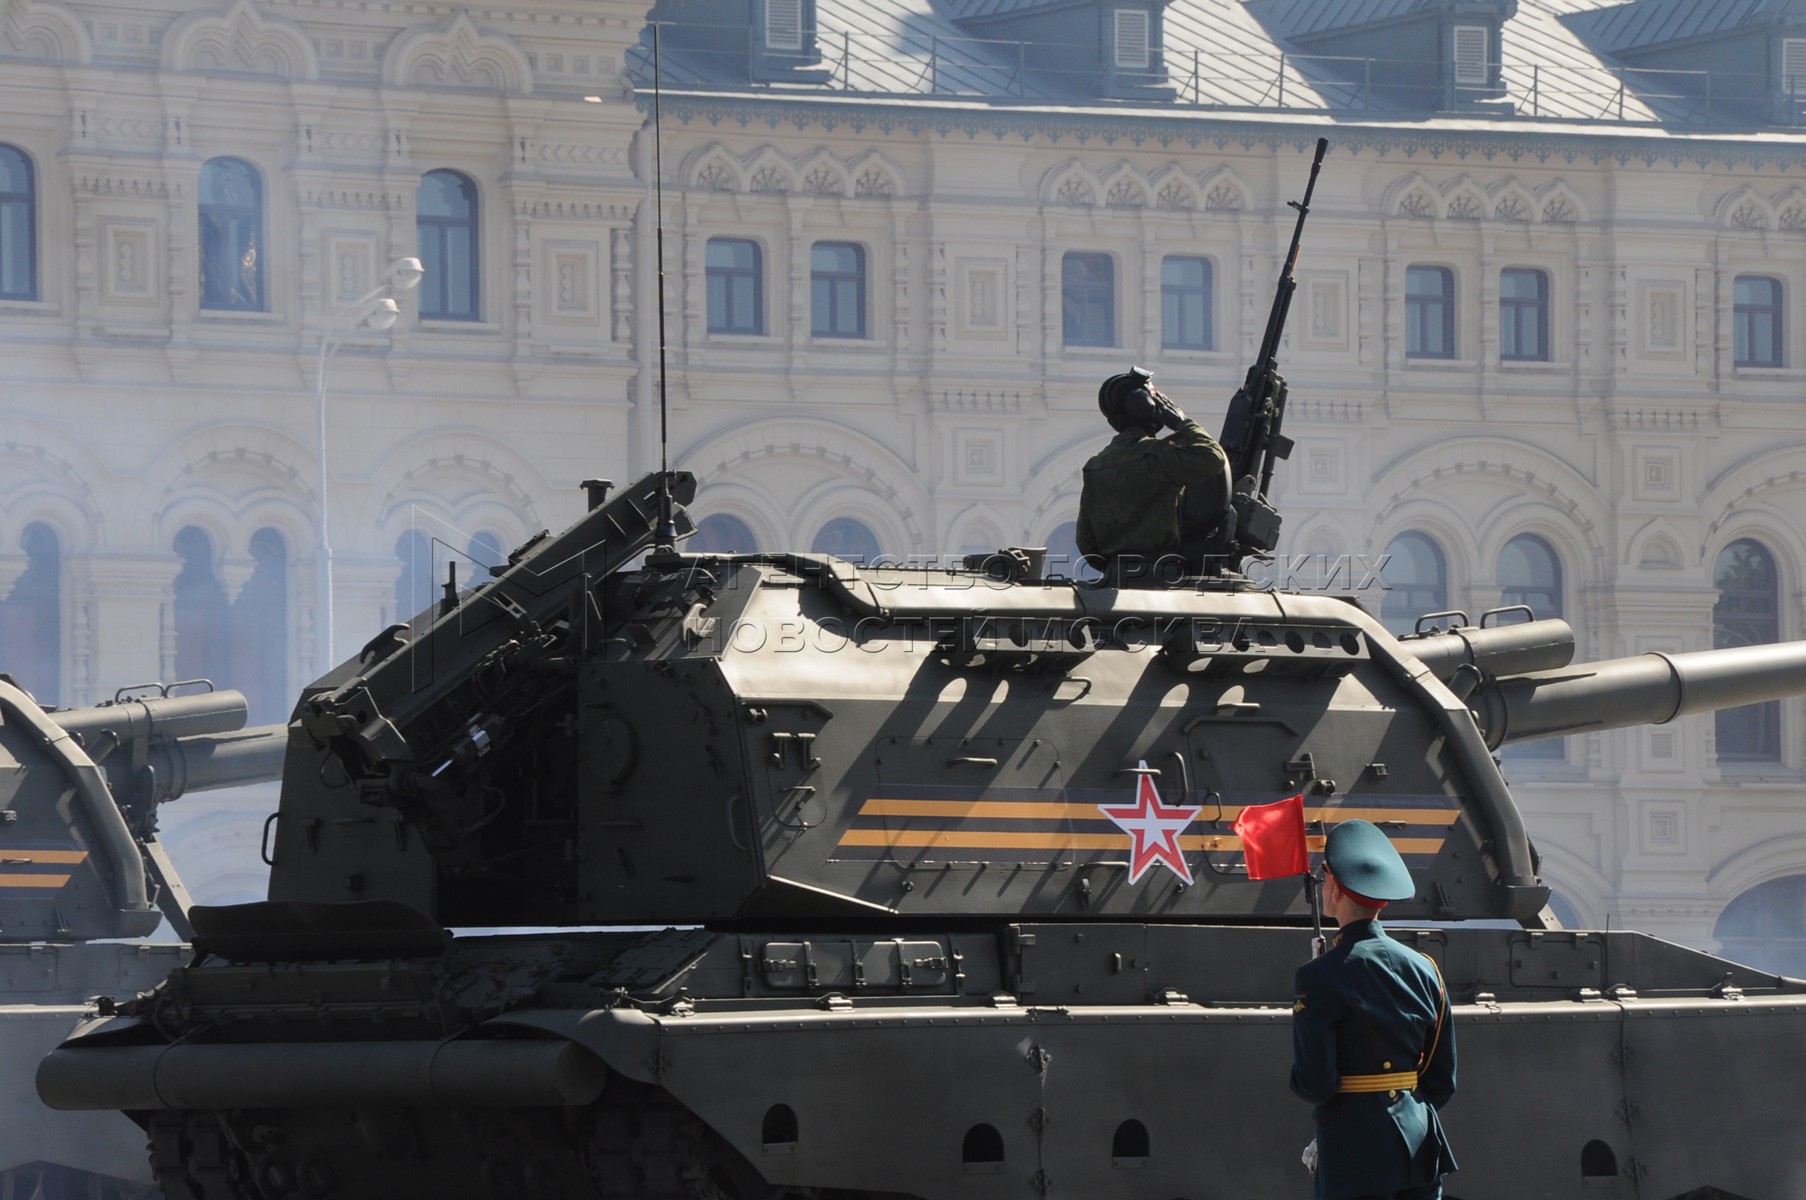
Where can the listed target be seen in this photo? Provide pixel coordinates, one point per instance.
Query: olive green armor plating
(921, 961)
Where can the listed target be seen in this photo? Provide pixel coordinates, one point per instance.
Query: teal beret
(1364, 862)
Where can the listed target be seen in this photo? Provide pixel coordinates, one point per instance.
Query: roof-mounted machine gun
(1251, 437)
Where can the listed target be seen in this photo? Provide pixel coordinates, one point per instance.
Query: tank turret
(862, 741)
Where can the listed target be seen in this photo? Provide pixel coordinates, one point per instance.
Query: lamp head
(383, 315)
(404, 274)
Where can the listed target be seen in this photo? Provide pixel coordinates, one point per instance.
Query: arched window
(18, 226)
(1063, 557)
(231, 203)
(259, 663)
(486, 552)
(1417, 581)
(203, 643)
(1748, 613)
(414, 586)
(720, 533)
(1766, 927)
(1530, 573)
(31, 620)
(445, 216)
(846, 538)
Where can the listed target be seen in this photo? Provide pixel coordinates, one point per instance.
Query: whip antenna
(665, 538)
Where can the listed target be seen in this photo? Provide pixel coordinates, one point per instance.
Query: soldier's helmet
(1127, 400)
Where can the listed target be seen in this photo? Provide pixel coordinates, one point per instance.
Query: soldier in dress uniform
(1373, 1046)
(1130, 506)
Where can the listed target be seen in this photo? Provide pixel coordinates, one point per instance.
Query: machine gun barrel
(1252, 440)
(1288, 277)
(1647, 689)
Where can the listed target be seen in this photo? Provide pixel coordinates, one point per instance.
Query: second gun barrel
(1646, 689)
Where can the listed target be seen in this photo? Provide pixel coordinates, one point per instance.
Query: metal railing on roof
(926, 62)
(916, 60)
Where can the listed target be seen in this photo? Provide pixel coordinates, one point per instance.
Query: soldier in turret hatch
(1129, 510)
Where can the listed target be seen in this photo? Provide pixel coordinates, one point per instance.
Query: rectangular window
(736, 286)
(18, 226)
(1088, 299)
(450, 274)
(1471, 66)
(1523, 315)
(1757, 322)
(837, 290)
(16, 238)
(1185, 303)
(1429, 312)
(1132, 51)
(784, 24)
(1793, 67)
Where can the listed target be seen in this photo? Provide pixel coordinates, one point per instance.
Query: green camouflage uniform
(1133, 488)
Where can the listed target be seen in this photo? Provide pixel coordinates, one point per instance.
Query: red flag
(1273, 839)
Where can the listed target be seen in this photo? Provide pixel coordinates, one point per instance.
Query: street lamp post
(374, 310)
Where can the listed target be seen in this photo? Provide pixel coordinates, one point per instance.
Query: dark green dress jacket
(1371, 1006)
(1133, 486)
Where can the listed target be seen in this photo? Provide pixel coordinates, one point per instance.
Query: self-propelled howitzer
(968, 915)
(80, 868)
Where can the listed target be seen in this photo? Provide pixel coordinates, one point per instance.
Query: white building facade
(1538, 354)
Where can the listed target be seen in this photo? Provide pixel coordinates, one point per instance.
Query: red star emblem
(1155, 828)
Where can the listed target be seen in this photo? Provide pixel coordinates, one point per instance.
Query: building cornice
(1605, 144)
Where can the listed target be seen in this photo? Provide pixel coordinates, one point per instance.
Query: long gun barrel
(205, 762)
(1648, 689)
